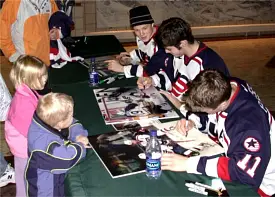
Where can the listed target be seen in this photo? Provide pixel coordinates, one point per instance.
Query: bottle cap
(92, 59)
(153, 133)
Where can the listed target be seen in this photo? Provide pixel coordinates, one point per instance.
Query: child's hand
(115, 66)
(82, 139)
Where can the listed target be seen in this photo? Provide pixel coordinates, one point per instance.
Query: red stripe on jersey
(175, 93)
(226, 140)
(179, 89)
(145, 73)
(197, 60)
(215, 139)
(223, 115)
(54, 50)
(261, 193)
(181, 82)
(223, 172)
(236, 92)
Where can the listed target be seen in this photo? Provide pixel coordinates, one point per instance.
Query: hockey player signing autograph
(236, 118)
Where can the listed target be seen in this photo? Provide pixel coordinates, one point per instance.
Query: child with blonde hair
(56, 142)
(28, 75)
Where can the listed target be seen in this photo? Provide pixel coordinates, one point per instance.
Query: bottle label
(94, 78)
(153, 165)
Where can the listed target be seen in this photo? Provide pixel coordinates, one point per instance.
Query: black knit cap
(140, 15)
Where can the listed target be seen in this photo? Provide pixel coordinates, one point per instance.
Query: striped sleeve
(162, 81)
(134, 56)
(133, 71)
(187, 73)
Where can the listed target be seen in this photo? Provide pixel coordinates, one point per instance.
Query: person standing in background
(24, 28)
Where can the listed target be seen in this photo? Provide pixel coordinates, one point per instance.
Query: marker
(111, 79)
(198, 191)
(186, 127)
(103, 80)
(205, 187)
(85, 40)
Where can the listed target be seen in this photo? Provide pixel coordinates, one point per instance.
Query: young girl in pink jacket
(28, 74)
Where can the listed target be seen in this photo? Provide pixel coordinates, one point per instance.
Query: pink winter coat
(19, 119)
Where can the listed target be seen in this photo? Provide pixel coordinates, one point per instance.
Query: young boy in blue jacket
(56, 143)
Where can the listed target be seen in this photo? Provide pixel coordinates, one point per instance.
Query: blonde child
(56, 142)
(28, 74)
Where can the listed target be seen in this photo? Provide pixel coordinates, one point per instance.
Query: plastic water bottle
(153, 156)
(93, 75)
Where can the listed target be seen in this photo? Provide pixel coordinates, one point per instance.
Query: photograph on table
(120, 151)
(195, 143)
(127, 104)
(123, 152)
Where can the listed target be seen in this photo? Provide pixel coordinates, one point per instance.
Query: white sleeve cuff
(192, 164)
(156, 80)
(196, 120)
(127, 71)
(134, 58)
(183, 110)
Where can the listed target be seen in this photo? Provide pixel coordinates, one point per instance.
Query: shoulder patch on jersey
(251, 144)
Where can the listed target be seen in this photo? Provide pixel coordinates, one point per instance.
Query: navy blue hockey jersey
(246, 132)
(180, 71)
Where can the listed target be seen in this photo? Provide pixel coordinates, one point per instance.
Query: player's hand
(144, 82)
(183, 126)
(124, 58)
(82, 139)
(54, 33)
(171, 98)
(173, 162)
(115, 66)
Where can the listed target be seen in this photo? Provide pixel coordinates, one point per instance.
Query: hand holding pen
(183, 126)
(144, 82)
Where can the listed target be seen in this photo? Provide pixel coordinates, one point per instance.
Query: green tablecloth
(90, 178)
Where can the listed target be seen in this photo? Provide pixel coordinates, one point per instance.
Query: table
(90, 178)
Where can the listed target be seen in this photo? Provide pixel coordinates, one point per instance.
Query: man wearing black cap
(132, 63)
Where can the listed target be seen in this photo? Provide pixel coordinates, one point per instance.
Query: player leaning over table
(236, 118)
(132, 63)
(190, 58)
